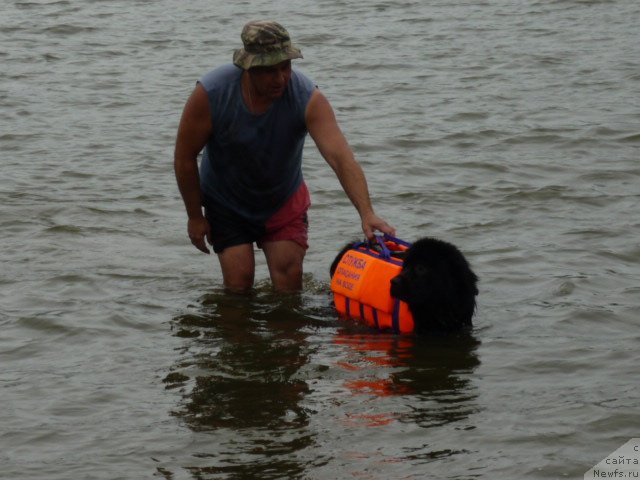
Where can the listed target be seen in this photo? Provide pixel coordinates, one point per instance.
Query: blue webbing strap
(396, 240)
(381, 240)
(395, 317)
(375, 317)
(386, 254)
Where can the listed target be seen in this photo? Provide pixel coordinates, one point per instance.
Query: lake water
(510, 128)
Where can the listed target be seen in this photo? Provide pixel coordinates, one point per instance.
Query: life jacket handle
(393, 239)
(382, 239)
(386, 254)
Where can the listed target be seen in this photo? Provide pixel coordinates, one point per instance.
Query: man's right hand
(199, 230)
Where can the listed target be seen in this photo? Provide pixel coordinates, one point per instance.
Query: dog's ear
(439, 286)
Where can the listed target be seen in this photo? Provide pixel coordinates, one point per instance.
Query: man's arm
(333, 146)
(193, 132)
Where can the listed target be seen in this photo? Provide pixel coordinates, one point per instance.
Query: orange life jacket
(361, 286)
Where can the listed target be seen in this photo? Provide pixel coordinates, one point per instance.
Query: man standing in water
(252, 118)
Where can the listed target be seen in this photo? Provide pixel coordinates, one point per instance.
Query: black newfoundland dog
(437, 284)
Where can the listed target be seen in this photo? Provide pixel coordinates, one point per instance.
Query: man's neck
(255, 102)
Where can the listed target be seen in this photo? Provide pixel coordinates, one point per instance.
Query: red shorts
(288, 223)
(291, 221)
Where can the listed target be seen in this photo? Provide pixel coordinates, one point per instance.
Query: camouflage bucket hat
(265, 43)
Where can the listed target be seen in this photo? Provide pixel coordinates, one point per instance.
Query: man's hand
(199, 229)
(371, 223)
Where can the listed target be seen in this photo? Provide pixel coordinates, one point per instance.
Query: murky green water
(511, 129)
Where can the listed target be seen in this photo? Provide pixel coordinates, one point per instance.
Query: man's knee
(291, 269)
(238, 268)
(237, 283)
(289, 280)
(285, 259)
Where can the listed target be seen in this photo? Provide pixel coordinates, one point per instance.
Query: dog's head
(438, 285)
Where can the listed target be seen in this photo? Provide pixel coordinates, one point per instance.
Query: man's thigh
(284, 259)
(238, 267)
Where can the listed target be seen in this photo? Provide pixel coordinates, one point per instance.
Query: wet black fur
(437, 283)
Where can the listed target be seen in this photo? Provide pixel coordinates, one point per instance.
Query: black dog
(437, 284)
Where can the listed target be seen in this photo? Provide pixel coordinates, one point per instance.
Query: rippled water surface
(511, 129)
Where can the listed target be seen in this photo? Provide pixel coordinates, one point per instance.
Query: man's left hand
(372, 223)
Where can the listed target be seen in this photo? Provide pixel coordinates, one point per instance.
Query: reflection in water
(276, 387)
(238, 378)
(438, 373)
(430, 374)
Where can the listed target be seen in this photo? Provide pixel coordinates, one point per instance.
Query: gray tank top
(252, 163)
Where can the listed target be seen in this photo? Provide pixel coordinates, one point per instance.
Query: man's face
(271, 81)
